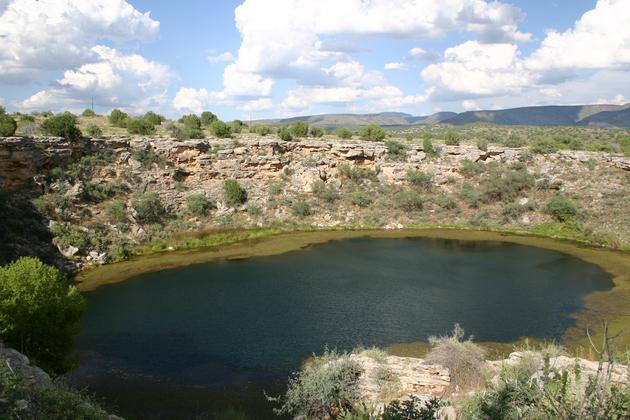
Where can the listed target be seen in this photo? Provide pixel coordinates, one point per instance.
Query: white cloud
(217, 58)
(40, 36)
(600, 39)
(395, 66)
(417, 53)
(470, 105)
(114, 79)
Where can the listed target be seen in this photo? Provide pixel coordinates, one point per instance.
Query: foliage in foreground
(324, 388)
(21, 401)
(64, 125)
(39, 313)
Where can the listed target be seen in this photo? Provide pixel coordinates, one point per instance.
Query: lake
(194, 341)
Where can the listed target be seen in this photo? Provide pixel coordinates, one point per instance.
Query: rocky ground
(86, 193)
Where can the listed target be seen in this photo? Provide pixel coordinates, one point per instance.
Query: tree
(316, 132)
(207, 118)
(94, 131)
(237, 126)
(221, 129)
(2, 110)
(234, 193)
(285, 134)
(344, 133)
(372, 132)
(190, 120)
(117, 118)
(64, 125)
(7, 125)
(88, 113)
(153, 118)
(140, 126)
(39, 312)
(299, 129)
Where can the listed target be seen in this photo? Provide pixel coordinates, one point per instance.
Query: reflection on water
(178, 343)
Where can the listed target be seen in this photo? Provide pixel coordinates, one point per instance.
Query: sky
(253, 59)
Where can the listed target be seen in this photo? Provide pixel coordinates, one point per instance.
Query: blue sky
(275, 58)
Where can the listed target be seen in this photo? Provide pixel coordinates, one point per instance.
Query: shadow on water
(210, 337)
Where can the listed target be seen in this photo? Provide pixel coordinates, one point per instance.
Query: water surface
(196, 340)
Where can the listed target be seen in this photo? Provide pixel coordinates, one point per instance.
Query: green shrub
(70, 235)
(420, 179)
(233, 192)
(261, 130)
(221, 129)
(39, 313)
(396, 151)
(324, 387)
(94, 131)
(408, 200)
(285, 134)
(7, 125)
(412, 409)
(561, 208)
(236, 126)
(326, 192)
(514, 141)
(446, 202)
(88, 113)
(361, 198)
(153, 118)
(190, 120)
(470, 169)
(452, 139)
(506, 185)
(63, 125)
(300, 208)
(140, 126)
(624, 143)
(471, 196)
(357, 172)
(146, 157)
(316, 132)
(464, 359)
(190, 132)
(175, 131)
(427, 147)
(544, 146)
(372, 132)
(148, 208)
(98, 192)
(2, 110)
(116, 212)
(299, 129)
(482, 144)
(513, 211)
(344, 133)
(27, 118)
(199, 204)
(207, 118)
(117, 118)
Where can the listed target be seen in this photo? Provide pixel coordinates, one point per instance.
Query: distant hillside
(357, 120)
(582, 115)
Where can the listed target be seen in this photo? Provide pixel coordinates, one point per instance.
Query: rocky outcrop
(32, 376)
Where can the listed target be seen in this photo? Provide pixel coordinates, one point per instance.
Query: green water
(196, 340)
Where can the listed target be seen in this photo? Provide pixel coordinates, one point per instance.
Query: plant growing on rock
(221, 129)
(427, 146)
(344, 133)
(452, 139)
(301, 208)
(316, 132)
(285, 134)
(63, 125)
(408, 200)
(39, 312)
(140, 126)
(149, 208)
(198, 204)
(372, 132)
(233, 192)
(396, 151)
(420, 179)
(561, 208)
(7, 125)
(361, 198)
(326, 192)
(116, 212)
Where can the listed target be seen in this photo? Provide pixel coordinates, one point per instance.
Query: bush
(396, 150)
(2, 110)
(153, 118)
(236, 126)
(98, 192)
(300, 208)
(326, 192)
(146, 157)
(412, 409)
(7, 125)
(482, 144)
(221, 129)
(427, 147)
(344, 133)
(420, 179)
(39, 313)
(190, 120)
(94, 131)
(464, 359)
(357, 172)
(64, 125)
(452, 139)
(261, 130)
(544, 146)
(175, 131)
(514, 141)
(116, 212)
(372, 132)
(561, 208)
(149, 208)
(117, 118)
(446, 202)
(190, 132)
(140, 126)
(299, 129)
(285, 134)
(233, 192)
(408, 200)
(470, 169)
(316, 132)
(198, 204)
(506, 185)
(69, 235)
(208, 118)
(470, 195)
(324, 387)
(88, 113)
(361, 198)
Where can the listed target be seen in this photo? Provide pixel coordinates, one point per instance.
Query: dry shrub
(463, 358)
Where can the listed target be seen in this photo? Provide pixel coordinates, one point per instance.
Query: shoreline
(239, 244)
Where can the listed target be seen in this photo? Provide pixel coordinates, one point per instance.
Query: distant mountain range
(577, 115)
